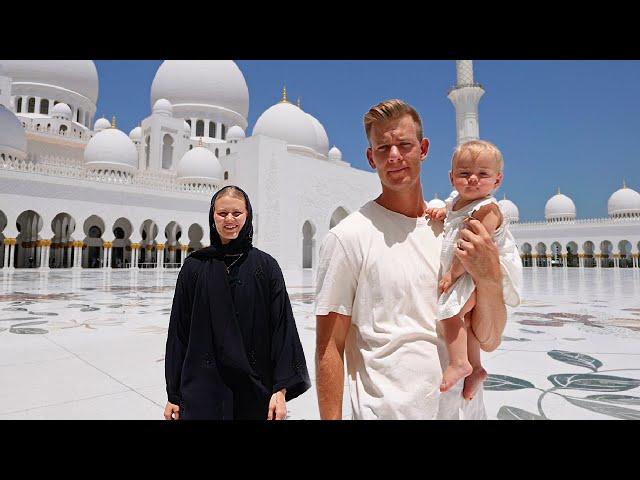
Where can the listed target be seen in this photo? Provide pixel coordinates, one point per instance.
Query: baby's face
(475, 178)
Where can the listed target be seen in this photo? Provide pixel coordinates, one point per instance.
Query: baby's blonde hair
(475, 147)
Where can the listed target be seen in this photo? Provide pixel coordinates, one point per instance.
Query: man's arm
(331, 333)
(479, 256)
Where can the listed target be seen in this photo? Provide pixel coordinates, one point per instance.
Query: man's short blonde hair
(391, 109)
(475, 147)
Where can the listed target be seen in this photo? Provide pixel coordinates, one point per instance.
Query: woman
(233, 350)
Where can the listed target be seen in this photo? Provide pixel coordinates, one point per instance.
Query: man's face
(396, 153)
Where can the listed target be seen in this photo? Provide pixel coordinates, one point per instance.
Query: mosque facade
(76, 192)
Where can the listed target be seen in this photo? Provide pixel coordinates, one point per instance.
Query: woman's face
(229, 215)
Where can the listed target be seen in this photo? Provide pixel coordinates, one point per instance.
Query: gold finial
(505, 196)
(284, 95)
(436, 195)
(558, 190)
(113, 122)
(200, 141)
(624, 183)
(299, 106)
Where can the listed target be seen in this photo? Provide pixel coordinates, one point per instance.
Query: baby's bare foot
(473, 382)
(454, 373)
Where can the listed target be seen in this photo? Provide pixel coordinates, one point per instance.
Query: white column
(38, 100)
(7, 254)
(193, 126)
(9, 257)
(45, 256)
(77, 256)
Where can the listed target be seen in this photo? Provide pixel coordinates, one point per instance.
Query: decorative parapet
(54, 166)
(583, 221)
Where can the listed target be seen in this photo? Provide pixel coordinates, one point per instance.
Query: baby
(476, 171)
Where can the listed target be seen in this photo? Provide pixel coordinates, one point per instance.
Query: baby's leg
(455, 336)
(479, 374)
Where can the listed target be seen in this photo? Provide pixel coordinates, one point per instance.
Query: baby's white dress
(451, 302)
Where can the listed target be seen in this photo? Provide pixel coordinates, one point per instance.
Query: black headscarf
(241, 244)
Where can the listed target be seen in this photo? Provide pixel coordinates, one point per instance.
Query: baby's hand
(436, 213)
(445, 282)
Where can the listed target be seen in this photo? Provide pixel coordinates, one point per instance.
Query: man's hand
(277, 406)
(478, 253)
(171, 412)
(438, 214)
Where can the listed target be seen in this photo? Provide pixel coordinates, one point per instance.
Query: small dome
(559, 207)
(436, 203)
(235, 133)
(624, 202)
(287, 122)
(111, 149)
(163, 107)
(101, 124)
(136, 134)
(13, 140)
(61, 110)
(322, 141)
(509, 210)
(335, 155)
(199, 165)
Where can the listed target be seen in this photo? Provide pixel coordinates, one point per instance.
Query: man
(378, 287)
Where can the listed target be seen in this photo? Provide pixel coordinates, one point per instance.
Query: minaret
(465, 97)
(5, 89)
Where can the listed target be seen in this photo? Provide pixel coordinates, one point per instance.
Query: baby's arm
(491, 218)
(436, 213)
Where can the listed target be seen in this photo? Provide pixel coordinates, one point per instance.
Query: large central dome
(218, 83)
(79, 76)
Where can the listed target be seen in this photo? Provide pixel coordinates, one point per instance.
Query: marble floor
(90, 345)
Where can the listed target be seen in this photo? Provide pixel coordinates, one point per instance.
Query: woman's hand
(277, 406)
(171, 412)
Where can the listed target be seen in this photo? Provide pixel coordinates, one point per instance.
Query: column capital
(135, 246)
(184, 248)
(107, 245)
(160, 246)
(9, 241)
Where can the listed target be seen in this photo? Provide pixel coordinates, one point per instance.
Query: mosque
(79, 194)
(75, 193)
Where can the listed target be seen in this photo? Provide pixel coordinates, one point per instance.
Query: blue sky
(568, 124)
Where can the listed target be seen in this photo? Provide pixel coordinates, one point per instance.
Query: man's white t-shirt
(381, 268)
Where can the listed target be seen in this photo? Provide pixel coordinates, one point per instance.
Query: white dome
(202, 82)
(335, 154)
(136, 134)
(322, 141)
(235, 133)
(13, 140)
(559, 207)
(101, 124)
(79, 76)
(199, 165)
(61, 110)
(436, 203)
(624, 201)
(509, 210)
(287, 122)
(163, 107)
(111, 149)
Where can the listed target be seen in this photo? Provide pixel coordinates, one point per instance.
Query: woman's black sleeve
(178, 334)
(287, 356)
